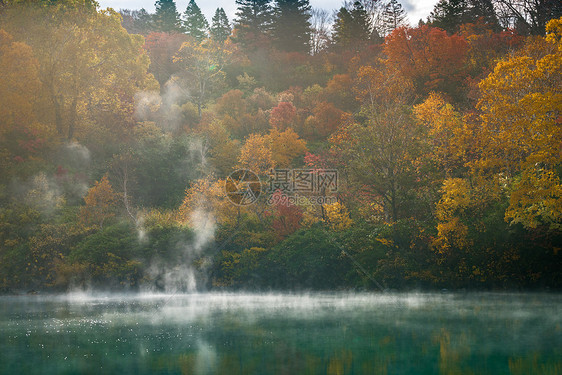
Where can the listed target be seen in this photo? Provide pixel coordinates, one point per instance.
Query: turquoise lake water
(413, 333)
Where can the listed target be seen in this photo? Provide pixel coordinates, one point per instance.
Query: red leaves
(287, 217)
(283, 116)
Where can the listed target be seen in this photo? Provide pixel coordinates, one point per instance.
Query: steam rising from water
(164, 109)
(182, 276)
(203, 223)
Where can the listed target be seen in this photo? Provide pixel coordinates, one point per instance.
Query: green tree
(291, 29)
(449, 15)
(220, 29)
(307, 259)
(342, 35)
(253, 18)
(361, 23)
(351, 27)
(380, 149)
(484, 10)
(166, 18)
(195, 24)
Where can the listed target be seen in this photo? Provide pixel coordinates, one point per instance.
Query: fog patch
(41, 192)
(77, 153)
(163, 108)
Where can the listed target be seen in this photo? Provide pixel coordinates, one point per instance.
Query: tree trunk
(72, 118)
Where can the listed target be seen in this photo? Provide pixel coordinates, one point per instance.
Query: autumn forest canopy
(119, 131)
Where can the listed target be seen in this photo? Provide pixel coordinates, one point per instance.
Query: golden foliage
(260, 153)
(256, 155)
(206, 200)
(456, 199)
(448, 135)
(100, 205)
(285, 146)
(521, 132)
(536, 200)
(19, 82)
(337, 217)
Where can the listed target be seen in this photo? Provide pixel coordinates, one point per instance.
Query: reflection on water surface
(283, 334)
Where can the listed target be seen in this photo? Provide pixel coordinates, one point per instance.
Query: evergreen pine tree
(393, 16)
(254, 17)
(484, 10)
(166, 18)
(361, 24)
(352, 28)
(144, 21)
(195, 24)
(220, 29)
(449, 15)
(342, 35)
(291, 27)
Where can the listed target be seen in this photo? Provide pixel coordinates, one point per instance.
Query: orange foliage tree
(325, 119)
(287, 217)
(161, 49)
(433, 60)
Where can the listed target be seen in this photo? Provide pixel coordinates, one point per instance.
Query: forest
(387, 155)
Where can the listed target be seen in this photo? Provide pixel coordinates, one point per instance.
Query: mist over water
(205, 333)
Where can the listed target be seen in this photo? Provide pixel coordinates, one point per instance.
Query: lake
(317, 333)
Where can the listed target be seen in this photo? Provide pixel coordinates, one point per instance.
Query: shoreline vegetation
(389, 156)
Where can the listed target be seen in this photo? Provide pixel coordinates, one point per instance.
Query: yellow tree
(256, 155)
(202, 65)
(337, 217)
(285, 146)
(448, 135)
(223, 150)
(520, 137)
(205, 204)
(19, 82)
(101, 204)
(89, 65)
(260, 153)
